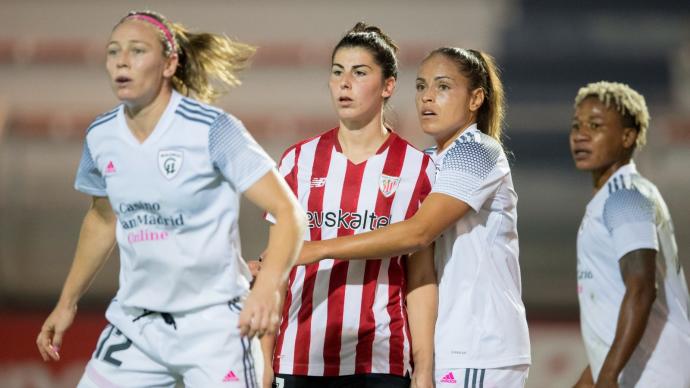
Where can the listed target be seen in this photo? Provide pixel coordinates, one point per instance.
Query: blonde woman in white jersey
(166, 171)
(634, 304)
(481, 337)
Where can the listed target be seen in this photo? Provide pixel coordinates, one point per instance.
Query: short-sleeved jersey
(176, 198)
(481, 318)
(349, 317)
(628, 214)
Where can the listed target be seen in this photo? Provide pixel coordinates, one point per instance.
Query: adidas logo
(110, 168)
(231, 376)
(449, 378)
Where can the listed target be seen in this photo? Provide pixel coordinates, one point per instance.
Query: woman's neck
(360, 142)
(599, 177)
(444, 142)
(142, 119)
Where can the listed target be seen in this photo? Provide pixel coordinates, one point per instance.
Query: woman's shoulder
(326, 136)
(103, 118)
(197, 111)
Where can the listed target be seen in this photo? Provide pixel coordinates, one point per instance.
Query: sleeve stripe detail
(197, 112)
(107, 113)
(473, 158)
(626, 206)
(204, 108)
(104, 119)
(198, 120)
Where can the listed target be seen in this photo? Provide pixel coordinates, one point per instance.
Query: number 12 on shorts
(116, 342)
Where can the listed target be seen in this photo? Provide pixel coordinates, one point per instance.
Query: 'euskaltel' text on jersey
(627, 214)
(481, 318)
(349, 317)
(176, 197)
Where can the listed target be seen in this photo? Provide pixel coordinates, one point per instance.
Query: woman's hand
(49, 340)
(260, 314)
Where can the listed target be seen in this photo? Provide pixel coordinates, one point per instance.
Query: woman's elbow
(293, 215)
(300, 220)
(420, 237)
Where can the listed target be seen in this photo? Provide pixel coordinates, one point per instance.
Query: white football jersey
(627, 214)
(481, 318)
(176, 197)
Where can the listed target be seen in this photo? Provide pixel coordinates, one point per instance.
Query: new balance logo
(449, 378)
(318, 182)
(231, 376)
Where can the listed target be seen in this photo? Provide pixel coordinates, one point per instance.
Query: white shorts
(202, 348)
(507, 377)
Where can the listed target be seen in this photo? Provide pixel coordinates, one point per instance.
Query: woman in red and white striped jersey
(345, 323)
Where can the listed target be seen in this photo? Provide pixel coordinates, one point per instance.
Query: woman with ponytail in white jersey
(345, 323)
(166, 172)
(481, 337)
(634, 303)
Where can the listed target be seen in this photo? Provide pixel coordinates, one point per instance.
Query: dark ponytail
(380, 45)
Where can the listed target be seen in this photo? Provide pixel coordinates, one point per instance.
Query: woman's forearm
(422, 308)
(96, 241)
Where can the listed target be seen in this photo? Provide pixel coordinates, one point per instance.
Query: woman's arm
(96, 241)
(261, 311)
(585, 380)
(422, 309)
(437, 212)
(638, 269)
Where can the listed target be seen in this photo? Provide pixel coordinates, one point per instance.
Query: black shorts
(367, 380)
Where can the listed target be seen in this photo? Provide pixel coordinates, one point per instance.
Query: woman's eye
(419, 87)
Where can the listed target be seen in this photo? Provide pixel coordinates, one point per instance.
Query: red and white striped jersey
(349, 317)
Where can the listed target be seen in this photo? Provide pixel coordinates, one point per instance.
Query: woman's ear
(388, 87)
(629, 137)
(476, 99)
(171, 65)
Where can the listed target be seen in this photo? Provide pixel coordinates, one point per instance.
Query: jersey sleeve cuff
(633, 236)
(255, 175)
(91, 191)
(475, 205)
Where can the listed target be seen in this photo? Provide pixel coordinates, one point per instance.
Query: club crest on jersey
(388, 184)
(170, 162)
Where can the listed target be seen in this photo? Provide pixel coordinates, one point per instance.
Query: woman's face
(445, 103)
(598, 139)
(136, 64)
(357, 86)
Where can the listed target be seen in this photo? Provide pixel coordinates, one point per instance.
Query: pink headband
(170, 40)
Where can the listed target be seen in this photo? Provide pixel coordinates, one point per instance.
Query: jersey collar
(163, 124)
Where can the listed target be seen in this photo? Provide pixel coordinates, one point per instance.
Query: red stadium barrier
(21, 366)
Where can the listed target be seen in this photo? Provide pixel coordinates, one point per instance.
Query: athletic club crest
(170, 162)
(388, 184)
